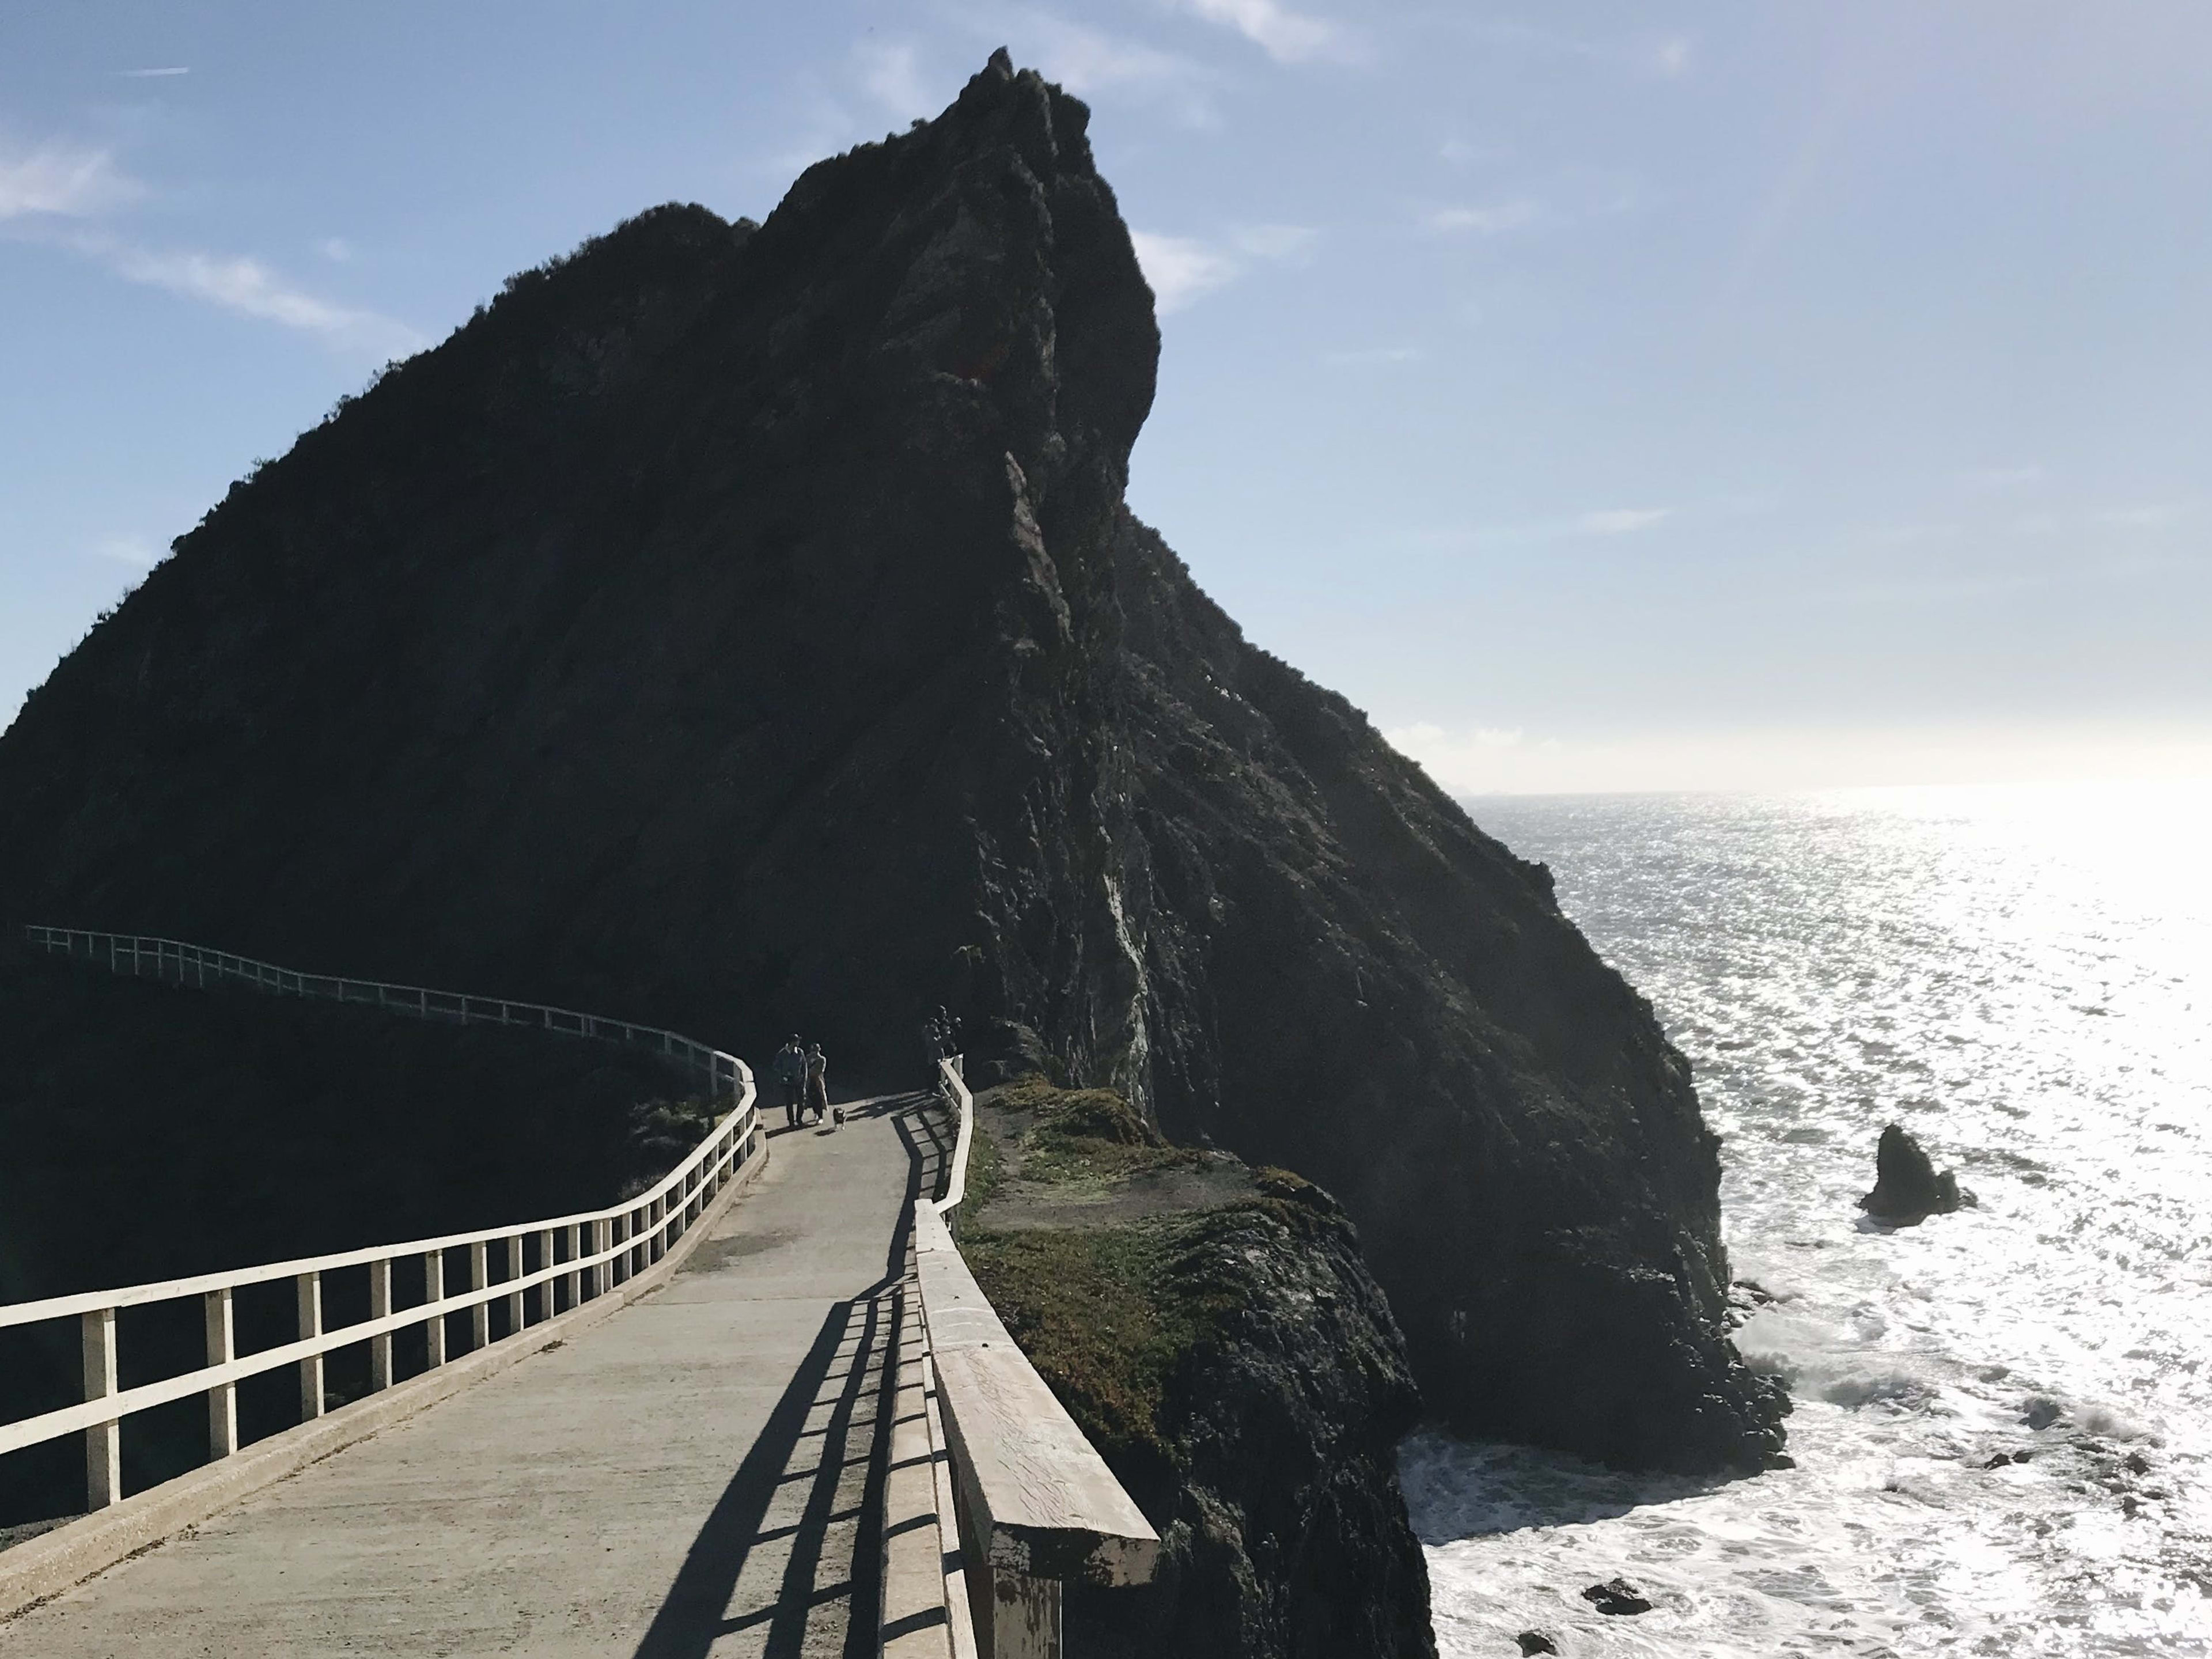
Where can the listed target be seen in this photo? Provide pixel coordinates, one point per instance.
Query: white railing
(176, 962)
(541, 1267)
(1036, 1505)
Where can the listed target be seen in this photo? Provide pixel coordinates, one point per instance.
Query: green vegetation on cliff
(1213, 1332)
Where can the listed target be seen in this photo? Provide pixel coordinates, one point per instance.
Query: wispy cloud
(1463, 153)
(1286, 36)
(247, 288)
(153, 73)
(2158, 516)
(336, 249)
(1568, 196)
(1621, 520)
(1667, 57)
(1495, 219)
(1183, 269)
(1090, 62)
(1275, 241)
(1999, 477)
(1598, 523)
(134, 550)
(890, 70)
(63, 180)
(1374, 355)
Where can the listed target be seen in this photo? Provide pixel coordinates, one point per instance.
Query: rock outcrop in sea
(1906, 1188)
(742, 628)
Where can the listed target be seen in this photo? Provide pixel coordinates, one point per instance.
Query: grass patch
(1104, 1314)
(1083, 1137)
(987, 1168)
(1107, 1315)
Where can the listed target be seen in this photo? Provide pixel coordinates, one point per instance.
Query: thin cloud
(1570, 197)
(1286, 36)
(247, 288)
(134, 550)
(1181, 269)
(1374, 355)
(336, 249)
(152, 74)
(890, 70)
(1599, 522)
(1999, 477)
(1460, 153)
(1089, 62)
(1493, 221)
(2160, 516)
(1667, 57)
(1621, 520)
(1275, 241)
(63, 180)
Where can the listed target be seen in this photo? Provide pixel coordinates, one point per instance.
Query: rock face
(1217, 1335)
(1906, 1188)
(742, 627)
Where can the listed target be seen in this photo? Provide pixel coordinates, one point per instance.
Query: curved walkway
(697, 1475)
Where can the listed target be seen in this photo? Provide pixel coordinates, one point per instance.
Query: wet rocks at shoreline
(1907, 1190)
(1618, 1597)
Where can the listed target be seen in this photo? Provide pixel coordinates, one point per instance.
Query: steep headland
(742, 627)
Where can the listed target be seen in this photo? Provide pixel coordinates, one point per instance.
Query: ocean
(2004, 1416)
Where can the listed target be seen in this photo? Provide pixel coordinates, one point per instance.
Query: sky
(1734, 396)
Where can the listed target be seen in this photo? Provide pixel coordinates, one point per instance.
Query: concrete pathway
(695, 1475)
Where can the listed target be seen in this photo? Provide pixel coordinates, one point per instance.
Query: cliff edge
(742, 627)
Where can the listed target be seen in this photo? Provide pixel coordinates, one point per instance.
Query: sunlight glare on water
(2022, 978)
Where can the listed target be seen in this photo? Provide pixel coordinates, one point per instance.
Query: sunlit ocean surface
(2023, 978)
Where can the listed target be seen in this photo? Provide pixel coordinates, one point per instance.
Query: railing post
(308, 1291)
(223, 1399)
(480, 1279)
(1024, 1616)
(514, 1273)
(576, 1273)
(434, 1291)
(548, 1302)
(380, 1307)
(603, 1275)
(103, 1441)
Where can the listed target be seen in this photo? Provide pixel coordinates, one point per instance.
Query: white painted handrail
(580, 1256)
(1037, 1505)
(197, 965)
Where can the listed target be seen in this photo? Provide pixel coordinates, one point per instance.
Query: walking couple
(802, 1072)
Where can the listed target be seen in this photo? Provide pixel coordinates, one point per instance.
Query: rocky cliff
(1217, 1335)
(742, 627)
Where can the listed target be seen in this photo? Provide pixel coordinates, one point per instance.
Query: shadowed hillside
(153, 1133)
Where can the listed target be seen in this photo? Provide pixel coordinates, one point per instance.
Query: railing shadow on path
(847, 1372)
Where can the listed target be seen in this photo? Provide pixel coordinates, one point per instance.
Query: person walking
(791, 1077)
(932, 1045)
(818, 1082)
